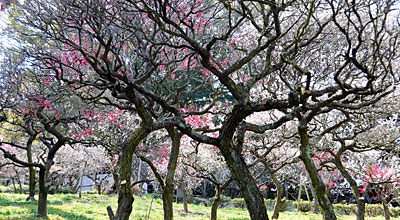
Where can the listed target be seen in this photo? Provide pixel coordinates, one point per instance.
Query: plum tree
(301, 59)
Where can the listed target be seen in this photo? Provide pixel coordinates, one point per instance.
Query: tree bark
(32, 173)
(215, 204)
(116, 180)
(43, 191)
(169, 180)
(244, 180)
(19, 181)
(354, 187)
(386, 210)
(125, 198)
(323, 200)
(185, 201)
(315, 202)
(278, 203)
(13, 182)
(167, 202)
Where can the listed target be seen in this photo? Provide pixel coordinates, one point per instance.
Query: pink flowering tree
(301, 59)
(43, 111)
(384, 179)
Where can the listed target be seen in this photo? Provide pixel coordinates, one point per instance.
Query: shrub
(395, 212)
(224, 201)
(156, 195)
(10, 188)
(345, 209)
(61, 190)
(198, 201)
(305, 206)
(373, 210)
(6, 189)
(239, 203)
(270, 204)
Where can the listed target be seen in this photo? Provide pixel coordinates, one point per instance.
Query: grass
(93, 207)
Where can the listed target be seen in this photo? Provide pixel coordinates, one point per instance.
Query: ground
(93, 207)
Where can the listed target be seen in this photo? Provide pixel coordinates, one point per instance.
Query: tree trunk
(32, 173)
(323, 200)
(185, 202)
(354, 187)
(386, 210)
(205, 188)
(245, 181)
(360, 208)
(314, 196)
(215, 204)
(75, 188)
(220, 189)
(32, 184)
(42, 203)
(279, 191)
(13, 182)
(167, 199)
(169, 180)
(278, 203)
(306, 190)
(19, 181)
(98, 185)
(125, 198)
(139, 171)
(116, 181)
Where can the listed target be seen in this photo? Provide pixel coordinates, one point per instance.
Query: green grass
(93, 207)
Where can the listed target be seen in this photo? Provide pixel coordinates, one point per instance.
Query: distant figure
(150, 187)
(283, 196)
(144, 188)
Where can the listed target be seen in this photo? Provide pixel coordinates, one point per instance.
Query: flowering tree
(74, 163)
(40, 110)
(384, 180)
(345, 149)
(204, 162)
(274, 154)
(14, 126)
(309, 57)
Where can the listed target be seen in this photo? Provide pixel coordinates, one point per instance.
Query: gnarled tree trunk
(278, 203)
(353, 184)
(217, 200)
(167, 185)
(125, 198)
(323, 200)
(215, 204)
(245, 181)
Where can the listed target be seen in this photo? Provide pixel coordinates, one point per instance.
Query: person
(144, 188)
(283, 196)
(150, 187)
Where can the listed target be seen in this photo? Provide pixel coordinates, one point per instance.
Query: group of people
(147, 187)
